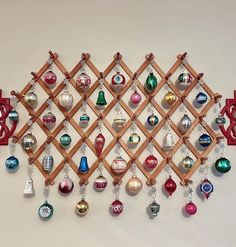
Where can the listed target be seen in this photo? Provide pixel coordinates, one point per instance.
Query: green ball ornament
(65, 140)
(223, 165)
(151, 83)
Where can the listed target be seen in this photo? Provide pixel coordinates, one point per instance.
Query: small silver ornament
(187, 163)
(185, 123)
(29, 142)
(66, 100)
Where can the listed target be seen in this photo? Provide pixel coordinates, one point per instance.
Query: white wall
(205, 29)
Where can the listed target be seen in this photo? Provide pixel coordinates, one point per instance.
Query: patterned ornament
(100, 183)
(170, 98)
(118, 81)
(66, 100)
(206, 187)
(119, 165)
(223, 165)
(99, 144)
(154, 208)
(29, 142)
(13, 115)
(50, 78)
(45, 211)
(82, 208)
(49, 120)
(48, 163)
(84, 119)
(190, 208)
(151, 83)
(31, 99)
(152, 120)
(187, 163)
(119, 120)
(205, 140)
(134, 185)
(65, 140)
(116, 207)
(185, 123)
(201, 98)
(185, 79)
(134, 139)
(66, 185)
(83, 81)
(150, 162)
(220, 120)
(83, 166)
(170, 185)
(135, 97)
(12, 164)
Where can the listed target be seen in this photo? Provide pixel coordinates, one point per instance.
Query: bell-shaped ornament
(101, 100)
(29, 188)
(119, 120)
(99, 143)
(185, 123)
(154, 208)
(83, 166)
(151, 83)
(168, 142)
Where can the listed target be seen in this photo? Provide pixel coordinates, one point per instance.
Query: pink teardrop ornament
(99, 144)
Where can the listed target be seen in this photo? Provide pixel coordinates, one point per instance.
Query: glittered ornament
(50, 78)
(83, 81)
(185, 123)
(170, 98)
(118, 165)
(187, 163)
(29, 142)
(223, 165)
(170, 185)
(66, 100)
(206, 187)
(31, 99)
(205, 140)
(154, 208)
(116, 207)
(82, 207)
(12, 164)
(48, 163)
(119, 120)
(13, 115)
(201, 98)
(83, 165)
(220, 120)
(100, 183)
(150, 162)
(45, 211)
(152, 120)
(135, 97)
(134, 139)
(65, 140)
(66, 185)
(151, 83)
(29, 188)
(49, 120)
(134, 185)
(84, 119)
(101, 100)
(184, 79)
(118, 81)
(190, 208)
(168, 141)
(99, 144)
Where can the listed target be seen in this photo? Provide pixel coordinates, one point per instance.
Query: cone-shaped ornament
(151, 83)
(83, 166)
(101, 101)
(29, 188)
(99, 143)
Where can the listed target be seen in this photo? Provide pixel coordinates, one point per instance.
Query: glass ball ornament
(100, 183)
(185, 123)
(134, 139)
(170, 98)
(185, 79)
(83, 81)
(206, 187)
(220, 120)
(12, 164)
(187, 163)
(29, 142)
(152, 120)
(117, 81)
(118, 165)
(201, 98)
(66, 185)
(49, 120)
(82, 207)
(65, 140)
(84, 119)
(150, 83)
(50, 78)
(205, 140)
(150, 162)
(116, 207)
(191, 208)
(31, 99)
(45, 211)
(170, 186)
(134, 185)
(135, 97)
(66, 100)
(223, 165)
(13, 115)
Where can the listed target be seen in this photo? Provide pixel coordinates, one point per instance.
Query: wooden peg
(118, 138)
(15, 138)
(134, 76)
(150, 98)
(66, 160)
(83, 138)
(49, 139)
(133, 159)
(85, 97)
(217, 97)
(183, 97)
(134, 117)
(199, 76)
(117, 181)
(150, 139)
(167, 77)
(185, 138)
(118, 97)
(182, 56)
(100, 116)
(219, 138)
(151, 182)
(83, 181)
(149, 57)
(168, 159)
(67, 75)
(203, 160)
(35, 77)
(201, 118)
(51, 55)
(117, 56)
(31, 160)
(188, 182)
(101, 76)
(83, 56)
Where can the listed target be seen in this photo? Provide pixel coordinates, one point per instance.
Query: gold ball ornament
(134, 185)
(29, 142)
(31, 99)
(82, 207)
(170, 98)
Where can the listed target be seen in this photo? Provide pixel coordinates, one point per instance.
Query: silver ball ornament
(31, 99)
(66, 100)
(29, 142)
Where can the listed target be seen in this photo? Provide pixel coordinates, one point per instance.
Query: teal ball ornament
(12, 164)
(65, 140)
(152, 120)
(220, 120)
(223, 165)
(151, 83)
(205, 140)
(13, 115)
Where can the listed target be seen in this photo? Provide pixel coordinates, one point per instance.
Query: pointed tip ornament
(99, 144)
(151, 83)
(170, 186)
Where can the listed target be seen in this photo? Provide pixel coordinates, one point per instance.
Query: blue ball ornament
(201, 98)
(12, 164)
(205, 140)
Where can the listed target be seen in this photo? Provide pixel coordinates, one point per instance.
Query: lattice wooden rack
(133, 115)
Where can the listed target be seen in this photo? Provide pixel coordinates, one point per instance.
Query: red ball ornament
(190, 208)
(66, 185)
(151, 162)
(117, 81)
(49, 119)
(135, 97)
(116, 207)
(99, 143)
(50, 78)
(83, 81)
(170, 185)
(100, 183)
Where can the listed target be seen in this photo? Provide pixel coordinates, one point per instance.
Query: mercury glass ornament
(151, 83)
(100, 183)
(12, 164)
(118, 81)
(205, 140)
(134, 185)
(184, 79)
(49, 120)
(13, 115)
(83, 81)
(66, 100)
(134, 139)
(187, 163)
(50, 78)
(150, 162)
(135, 97)
(185, 123)
(191, 208)
(206, 187)
(29, 142)
(201, 98)
(119, 165)
(154, 208)
(152, 120)
(220, 120)
(66, 185)
(119, 120)
(45, 211)
(65, 140)
(82, 208)
(31, 99)
(116, 207)
(29, 188)
(101, 100)
(84, 119)
(168, 142)
(170, 98)
(223, 165)
(48, 163)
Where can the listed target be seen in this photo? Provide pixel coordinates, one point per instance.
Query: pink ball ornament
(135, 97)
(190, 208)
(150, 162)
(66, 185)
(83, 81)
(116, 207)
(100, 183)
(50, 78)
(49, 119)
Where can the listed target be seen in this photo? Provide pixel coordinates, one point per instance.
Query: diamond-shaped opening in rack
(184, 159)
